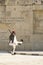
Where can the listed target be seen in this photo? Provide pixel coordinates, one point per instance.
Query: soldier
(13, 41)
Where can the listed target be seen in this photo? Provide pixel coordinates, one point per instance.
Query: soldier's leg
(14, 47)
(11, 44)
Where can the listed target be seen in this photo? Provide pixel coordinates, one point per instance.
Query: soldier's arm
(9, 30)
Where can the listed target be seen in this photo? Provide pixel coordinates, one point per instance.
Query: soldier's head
(13, 32)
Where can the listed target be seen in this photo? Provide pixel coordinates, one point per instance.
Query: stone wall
(26, 18)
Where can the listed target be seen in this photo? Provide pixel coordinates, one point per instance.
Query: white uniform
(14, 44)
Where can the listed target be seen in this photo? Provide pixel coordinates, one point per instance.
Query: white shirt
(15, 41)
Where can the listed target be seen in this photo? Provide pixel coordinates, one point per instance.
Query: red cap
(13, 32)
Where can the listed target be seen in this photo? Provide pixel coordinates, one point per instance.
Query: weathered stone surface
(23, 2)
(38, 21)
(26, 18)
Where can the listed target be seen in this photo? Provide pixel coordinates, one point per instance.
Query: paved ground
(8, 59)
